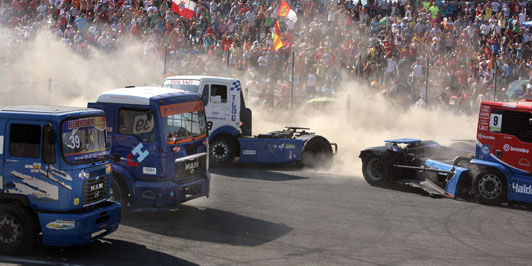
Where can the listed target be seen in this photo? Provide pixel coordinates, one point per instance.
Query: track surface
(282, 216)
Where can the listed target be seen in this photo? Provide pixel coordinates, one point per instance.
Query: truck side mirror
(149, 115)
(50, 135)
(48, 151)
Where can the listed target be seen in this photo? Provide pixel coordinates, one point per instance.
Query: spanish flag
(277, 41)
(283, 9)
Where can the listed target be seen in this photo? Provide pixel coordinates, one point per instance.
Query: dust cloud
(45, 71)
(368, 121)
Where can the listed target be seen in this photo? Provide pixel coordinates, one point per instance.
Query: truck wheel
(17, 231)
(221, 151)
(373, 170)
(490, 187)
(118, 193)
(316, 153)
(380, 172)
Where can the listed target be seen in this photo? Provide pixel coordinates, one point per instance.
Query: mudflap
(426, 185)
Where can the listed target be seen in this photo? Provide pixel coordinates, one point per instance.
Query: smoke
(369, 121)
(356, 120)
(46, 71)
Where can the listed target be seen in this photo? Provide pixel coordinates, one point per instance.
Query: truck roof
(44, 109)
(520, 105)
(45, 112)
(142, 95)
(201, 77)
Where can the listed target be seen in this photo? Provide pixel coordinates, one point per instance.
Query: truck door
(24, 171)
(223, 106)
(136, 140)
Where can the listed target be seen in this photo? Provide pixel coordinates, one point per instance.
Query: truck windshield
(84, 139)
(182, 84)
(183, 122)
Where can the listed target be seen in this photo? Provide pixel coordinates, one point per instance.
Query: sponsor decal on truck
(61, 225)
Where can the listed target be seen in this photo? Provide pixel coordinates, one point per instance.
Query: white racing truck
(229, 126)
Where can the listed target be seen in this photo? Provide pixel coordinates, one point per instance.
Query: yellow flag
(277, 41)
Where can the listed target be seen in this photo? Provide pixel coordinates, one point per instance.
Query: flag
(492, 62)
(277, 41)
(184, 8)
(284, 9)
(286, 12)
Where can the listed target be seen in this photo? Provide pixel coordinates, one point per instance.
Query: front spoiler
(69, 229)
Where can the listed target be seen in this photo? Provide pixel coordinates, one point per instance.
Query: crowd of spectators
(474, 49)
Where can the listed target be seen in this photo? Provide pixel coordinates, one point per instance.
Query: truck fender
(379, 151)
(389, 156)
(126, 178)
(223, 130)
(499, 167)
(311, 137)
(21, 199)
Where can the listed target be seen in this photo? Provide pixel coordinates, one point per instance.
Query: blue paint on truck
(159, 145)
(55, 170)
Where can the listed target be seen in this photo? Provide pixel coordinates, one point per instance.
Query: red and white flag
(288, 13)
(184, 8)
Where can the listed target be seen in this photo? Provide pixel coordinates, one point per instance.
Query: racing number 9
(209, 125)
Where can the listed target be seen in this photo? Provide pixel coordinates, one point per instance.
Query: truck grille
(191, 170)
(94, 190)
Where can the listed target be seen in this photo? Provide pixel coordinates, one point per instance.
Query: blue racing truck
(158, 144)
(54, 177)
(229, 125)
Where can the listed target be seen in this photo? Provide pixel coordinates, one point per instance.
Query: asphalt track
(260, 215)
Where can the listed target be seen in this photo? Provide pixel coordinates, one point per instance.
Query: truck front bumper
(152, 196)
(68, 229)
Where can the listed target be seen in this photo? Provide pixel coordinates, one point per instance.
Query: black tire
(118, 193)
(378, 171)
(221, 151)
(489, 187)
(317, 153)
(17, 230)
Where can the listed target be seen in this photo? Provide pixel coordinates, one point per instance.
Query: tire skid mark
(476, 229)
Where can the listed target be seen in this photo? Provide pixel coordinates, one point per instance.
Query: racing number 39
(142, 125)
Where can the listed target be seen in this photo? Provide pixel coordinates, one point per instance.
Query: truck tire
(489, 187)
(118, 193)
(221, 151)
(317, 153)
(17, 230)
(379, 170)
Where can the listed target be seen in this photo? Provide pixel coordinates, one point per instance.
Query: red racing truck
(494, 170)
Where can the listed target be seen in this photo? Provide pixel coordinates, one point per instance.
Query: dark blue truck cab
(158, 144)
(54, 177)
